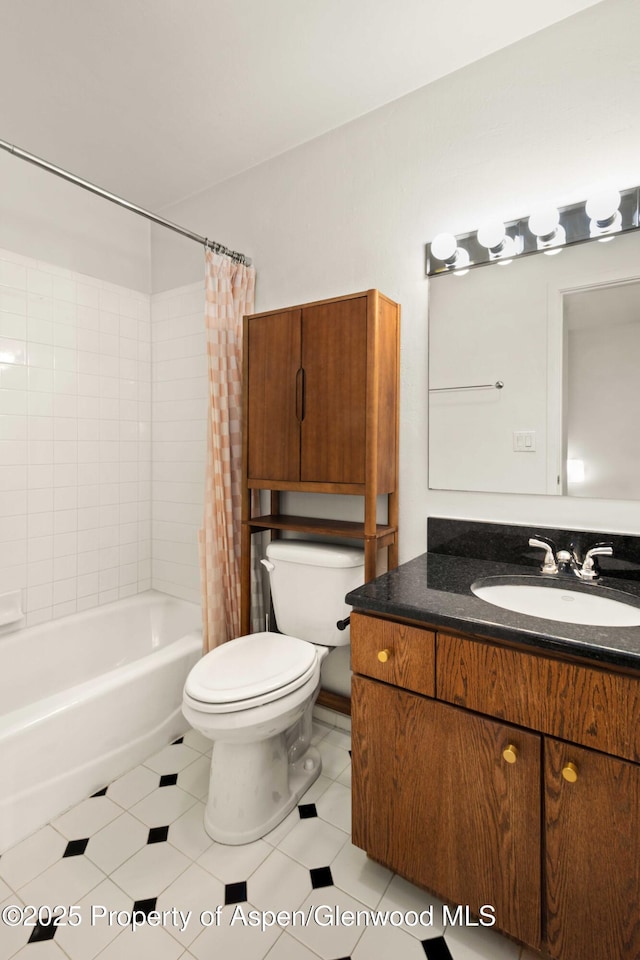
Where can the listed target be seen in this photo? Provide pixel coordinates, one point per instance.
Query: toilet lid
(255, 664)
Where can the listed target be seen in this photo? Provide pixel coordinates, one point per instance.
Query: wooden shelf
(325, 528)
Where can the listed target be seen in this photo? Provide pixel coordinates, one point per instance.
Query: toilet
(253, 696)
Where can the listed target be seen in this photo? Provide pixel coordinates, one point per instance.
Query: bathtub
(85, 698)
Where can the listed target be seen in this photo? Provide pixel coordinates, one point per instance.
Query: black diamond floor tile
(145, 906)
(235, 893)
(76, 847)
(307, 810)
(99, 793)
(321, 877)
(176, 742)
(41, 932)
(158, 834)
(168, 779)
(436, 949)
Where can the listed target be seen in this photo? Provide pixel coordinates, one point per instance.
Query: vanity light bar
(597, 219)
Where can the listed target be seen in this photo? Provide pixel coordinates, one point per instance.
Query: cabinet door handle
(510, 753)
(300, 385)
(570, 772)
(384, 655)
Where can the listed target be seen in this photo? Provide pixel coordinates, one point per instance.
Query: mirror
(562, 334)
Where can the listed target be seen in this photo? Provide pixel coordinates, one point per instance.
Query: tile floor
(139, 845)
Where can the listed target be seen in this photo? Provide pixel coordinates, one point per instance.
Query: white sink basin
(553, 603)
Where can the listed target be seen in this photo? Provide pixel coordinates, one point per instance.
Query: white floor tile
(234, 864)
(316, 790)
(13, 938)
(381, 943)
(150, 870)
(335, 806)
(279, 883)
(233, 938)
(345, 777)
(288, 948)
(195, 778)
(172, 759)
(478, 943)
(404, 896)
(334, 759)
(194, 891)
(94, 933)
(187, 833)
(145, 943)
(339, 738)
(47, 950)
(355, 873)
(313, 842)
(322, 935)
(65, 882)
(319, 731)
(133, 786)
(163, 806)
(31, 856)
(116, 842)
(5, 890)
(87, 817)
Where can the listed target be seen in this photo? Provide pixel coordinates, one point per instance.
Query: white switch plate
(524, 441)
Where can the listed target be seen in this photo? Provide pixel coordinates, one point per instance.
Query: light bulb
(544, 221)
(444, 246)
(603, 206)
(491, 234)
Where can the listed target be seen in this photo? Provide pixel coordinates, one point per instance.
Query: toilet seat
(249, 671)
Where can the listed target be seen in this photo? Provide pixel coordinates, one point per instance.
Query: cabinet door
(434, 799)
(592, 855)
(274, 392)
(334, 359)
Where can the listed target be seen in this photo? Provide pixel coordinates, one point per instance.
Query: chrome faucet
(550, 564)
(589, 570)
(565, 560)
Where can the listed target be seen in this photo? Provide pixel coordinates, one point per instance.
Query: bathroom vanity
(496, 756)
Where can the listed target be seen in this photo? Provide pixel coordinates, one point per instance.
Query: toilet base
(253, 787)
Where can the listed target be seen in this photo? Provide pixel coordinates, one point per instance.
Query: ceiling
(156, 100)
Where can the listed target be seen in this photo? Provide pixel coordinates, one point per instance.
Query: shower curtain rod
(92, 188)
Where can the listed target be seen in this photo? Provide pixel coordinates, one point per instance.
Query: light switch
(524, 441)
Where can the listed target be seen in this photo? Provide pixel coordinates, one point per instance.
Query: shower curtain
(229, 294)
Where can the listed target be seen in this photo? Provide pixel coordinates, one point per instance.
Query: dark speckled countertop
(436, 589)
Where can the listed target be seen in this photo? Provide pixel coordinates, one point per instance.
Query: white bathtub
(87, 697)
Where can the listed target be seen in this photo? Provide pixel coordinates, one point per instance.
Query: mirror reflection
(562, 333)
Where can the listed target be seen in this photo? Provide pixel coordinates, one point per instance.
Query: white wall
(179, 422)
(542, 119)
(75, 372)
(46, 218)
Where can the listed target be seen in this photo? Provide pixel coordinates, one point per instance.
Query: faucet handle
(550, 561)
(589, 570)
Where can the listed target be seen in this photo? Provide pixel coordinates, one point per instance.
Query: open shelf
(385, 534)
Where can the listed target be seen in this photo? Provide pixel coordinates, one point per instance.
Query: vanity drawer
(408, 653)
(591, 707)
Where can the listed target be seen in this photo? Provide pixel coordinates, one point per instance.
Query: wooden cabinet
(434, 799)
(551, 839)
(321, 416)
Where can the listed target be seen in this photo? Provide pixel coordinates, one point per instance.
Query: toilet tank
(308, 586)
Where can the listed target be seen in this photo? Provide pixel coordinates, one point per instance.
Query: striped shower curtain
(229, 294)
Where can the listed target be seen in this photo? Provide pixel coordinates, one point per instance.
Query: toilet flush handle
(267, 563)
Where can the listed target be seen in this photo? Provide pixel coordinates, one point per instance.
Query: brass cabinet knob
(570, 772)
(384, 655)
(510, 753)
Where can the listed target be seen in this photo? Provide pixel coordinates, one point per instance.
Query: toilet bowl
(254, 696)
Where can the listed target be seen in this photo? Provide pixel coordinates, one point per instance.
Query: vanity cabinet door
(435, 799)
(592, 854)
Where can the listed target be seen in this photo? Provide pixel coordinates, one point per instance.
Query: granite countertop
(435, 588)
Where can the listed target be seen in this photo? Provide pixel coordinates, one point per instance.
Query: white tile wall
(179, 422)
(75, 439)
